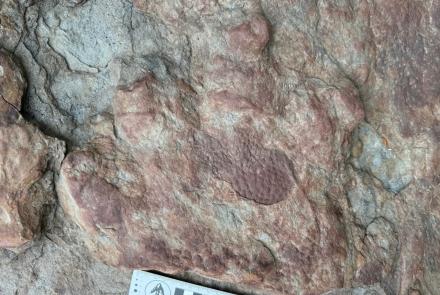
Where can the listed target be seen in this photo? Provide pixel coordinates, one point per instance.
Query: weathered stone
(373, 290)
(380, 244)
(431, 258)
(11, 24)
(263, 147)
(251, 37)
(363, 203)
(132, 199)
(25, 156)
(372, 154)
(262, 175)
(12, 86)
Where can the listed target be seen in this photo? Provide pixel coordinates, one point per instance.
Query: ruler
(145, 283)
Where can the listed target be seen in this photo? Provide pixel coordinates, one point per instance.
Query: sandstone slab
(261, 147)
(228, 208)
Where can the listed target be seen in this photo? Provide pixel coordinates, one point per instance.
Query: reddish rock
(136, 117)
(262, 175)
(248, 82)
(222, 207)
(25, 156)
(264, 147)
(251, 37)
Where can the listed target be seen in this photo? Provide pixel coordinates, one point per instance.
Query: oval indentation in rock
(254, 172)
(262, 175)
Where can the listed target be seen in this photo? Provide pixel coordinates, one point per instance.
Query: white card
(145, 283)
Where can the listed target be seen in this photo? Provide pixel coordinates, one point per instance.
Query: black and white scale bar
(145, 283)
(179, 291)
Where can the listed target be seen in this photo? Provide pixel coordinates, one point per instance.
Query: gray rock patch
(370, 154)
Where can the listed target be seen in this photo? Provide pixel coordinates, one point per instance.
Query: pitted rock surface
(260, 147)
(262, 175)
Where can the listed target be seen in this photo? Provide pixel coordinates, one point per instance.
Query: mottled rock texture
(28, 161)
(261, 147)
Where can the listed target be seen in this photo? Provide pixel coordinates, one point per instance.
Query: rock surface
(261, 147)
(28, 161)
